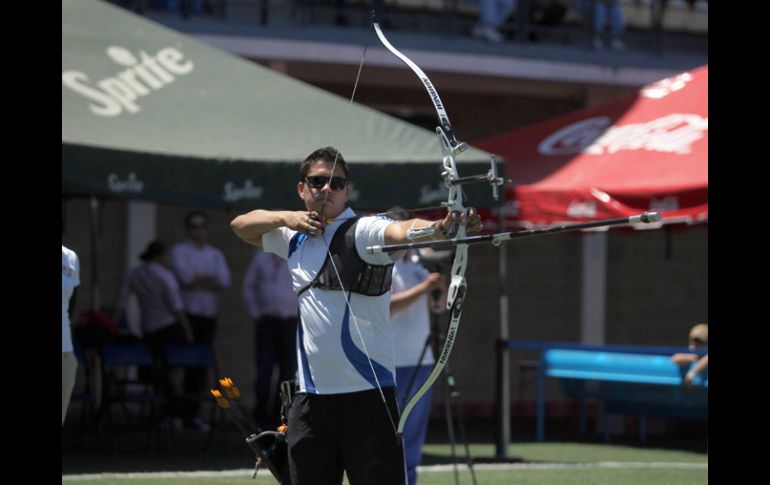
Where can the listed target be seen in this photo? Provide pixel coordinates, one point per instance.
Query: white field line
(246, 472)
(569, 466)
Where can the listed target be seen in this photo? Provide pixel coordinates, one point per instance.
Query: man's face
(198, 233)
(696, 343)
(335, 200)
(197, 228)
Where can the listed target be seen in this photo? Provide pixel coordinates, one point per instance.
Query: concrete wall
(111, 248)
(657, 285)
(657, 288)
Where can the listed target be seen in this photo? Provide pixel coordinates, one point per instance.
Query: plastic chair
(82, 393)
(192, 356)
(87, 392)
(129, 377)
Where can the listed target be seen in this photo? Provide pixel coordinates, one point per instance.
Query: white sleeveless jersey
(332, 341)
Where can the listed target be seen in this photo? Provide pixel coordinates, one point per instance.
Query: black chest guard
(357, 275)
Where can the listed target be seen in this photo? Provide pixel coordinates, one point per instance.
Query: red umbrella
(646, 151)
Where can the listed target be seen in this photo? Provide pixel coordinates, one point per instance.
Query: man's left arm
(698, 368)
(396, 233)
(403, 299)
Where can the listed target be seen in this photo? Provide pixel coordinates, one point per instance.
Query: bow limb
(444, 129)
(456, 294)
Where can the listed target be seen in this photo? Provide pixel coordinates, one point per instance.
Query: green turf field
(543, 464)
(128, 457)
(483, 477)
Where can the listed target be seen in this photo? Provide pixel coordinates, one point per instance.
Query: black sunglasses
(320, 181)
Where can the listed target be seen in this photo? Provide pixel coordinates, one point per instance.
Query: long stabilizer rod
(496, 239)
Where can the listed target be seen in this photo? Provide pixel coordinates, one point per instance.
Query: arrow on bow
(497, 239)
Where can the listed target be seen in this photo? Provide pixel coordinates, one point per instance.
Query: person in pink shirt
(163, 320)
(272, 304)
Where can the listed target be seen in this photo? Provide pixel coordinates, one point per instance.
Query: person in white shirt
(410, 319)
(70, 280)
(272, 304)
(344, 415)
(492, 16)
(202, 273)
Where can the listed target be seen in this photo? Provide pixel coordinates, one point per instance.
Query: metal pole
(504, 416)
(93, 219)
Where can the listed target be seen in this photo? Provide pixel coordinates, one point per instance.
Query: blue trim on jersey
(295, 242)
(359, 359)
(308, 378)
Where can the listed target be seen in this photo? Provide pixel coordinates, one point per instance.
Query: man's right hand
(434, 281)
(304, 222)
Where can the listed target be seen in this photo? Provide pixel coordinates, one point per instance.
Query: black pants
(168, 379)
(336, 433)
(196, 379)
(275, 344)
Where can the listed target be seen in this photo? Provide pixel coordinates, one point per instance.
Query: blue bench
(627, 383)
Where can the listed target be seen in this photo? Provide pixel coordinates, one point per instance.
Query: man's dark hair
(195, 219)
(153, 250)
(326, 154)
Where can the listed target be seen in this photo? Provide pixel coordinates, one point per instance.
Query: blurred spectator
(184, 7)
(138, 6)
(272, 304)
(202, 273)
(70, 280)
(664, 3)
(546, 13)
(492, 16)
(342, 13)
(380, 13)
(187, 7)
(659, 9)
(163, 322)
(605, 10)
(699, 337)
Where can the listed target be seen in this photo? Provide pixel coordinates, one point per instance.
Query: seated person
(699, 336)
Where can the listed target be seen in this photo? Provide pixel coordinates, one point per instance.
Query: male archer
(344, 415)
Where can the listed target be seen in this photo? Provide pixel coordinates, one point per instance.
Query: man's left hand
(472, 217)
